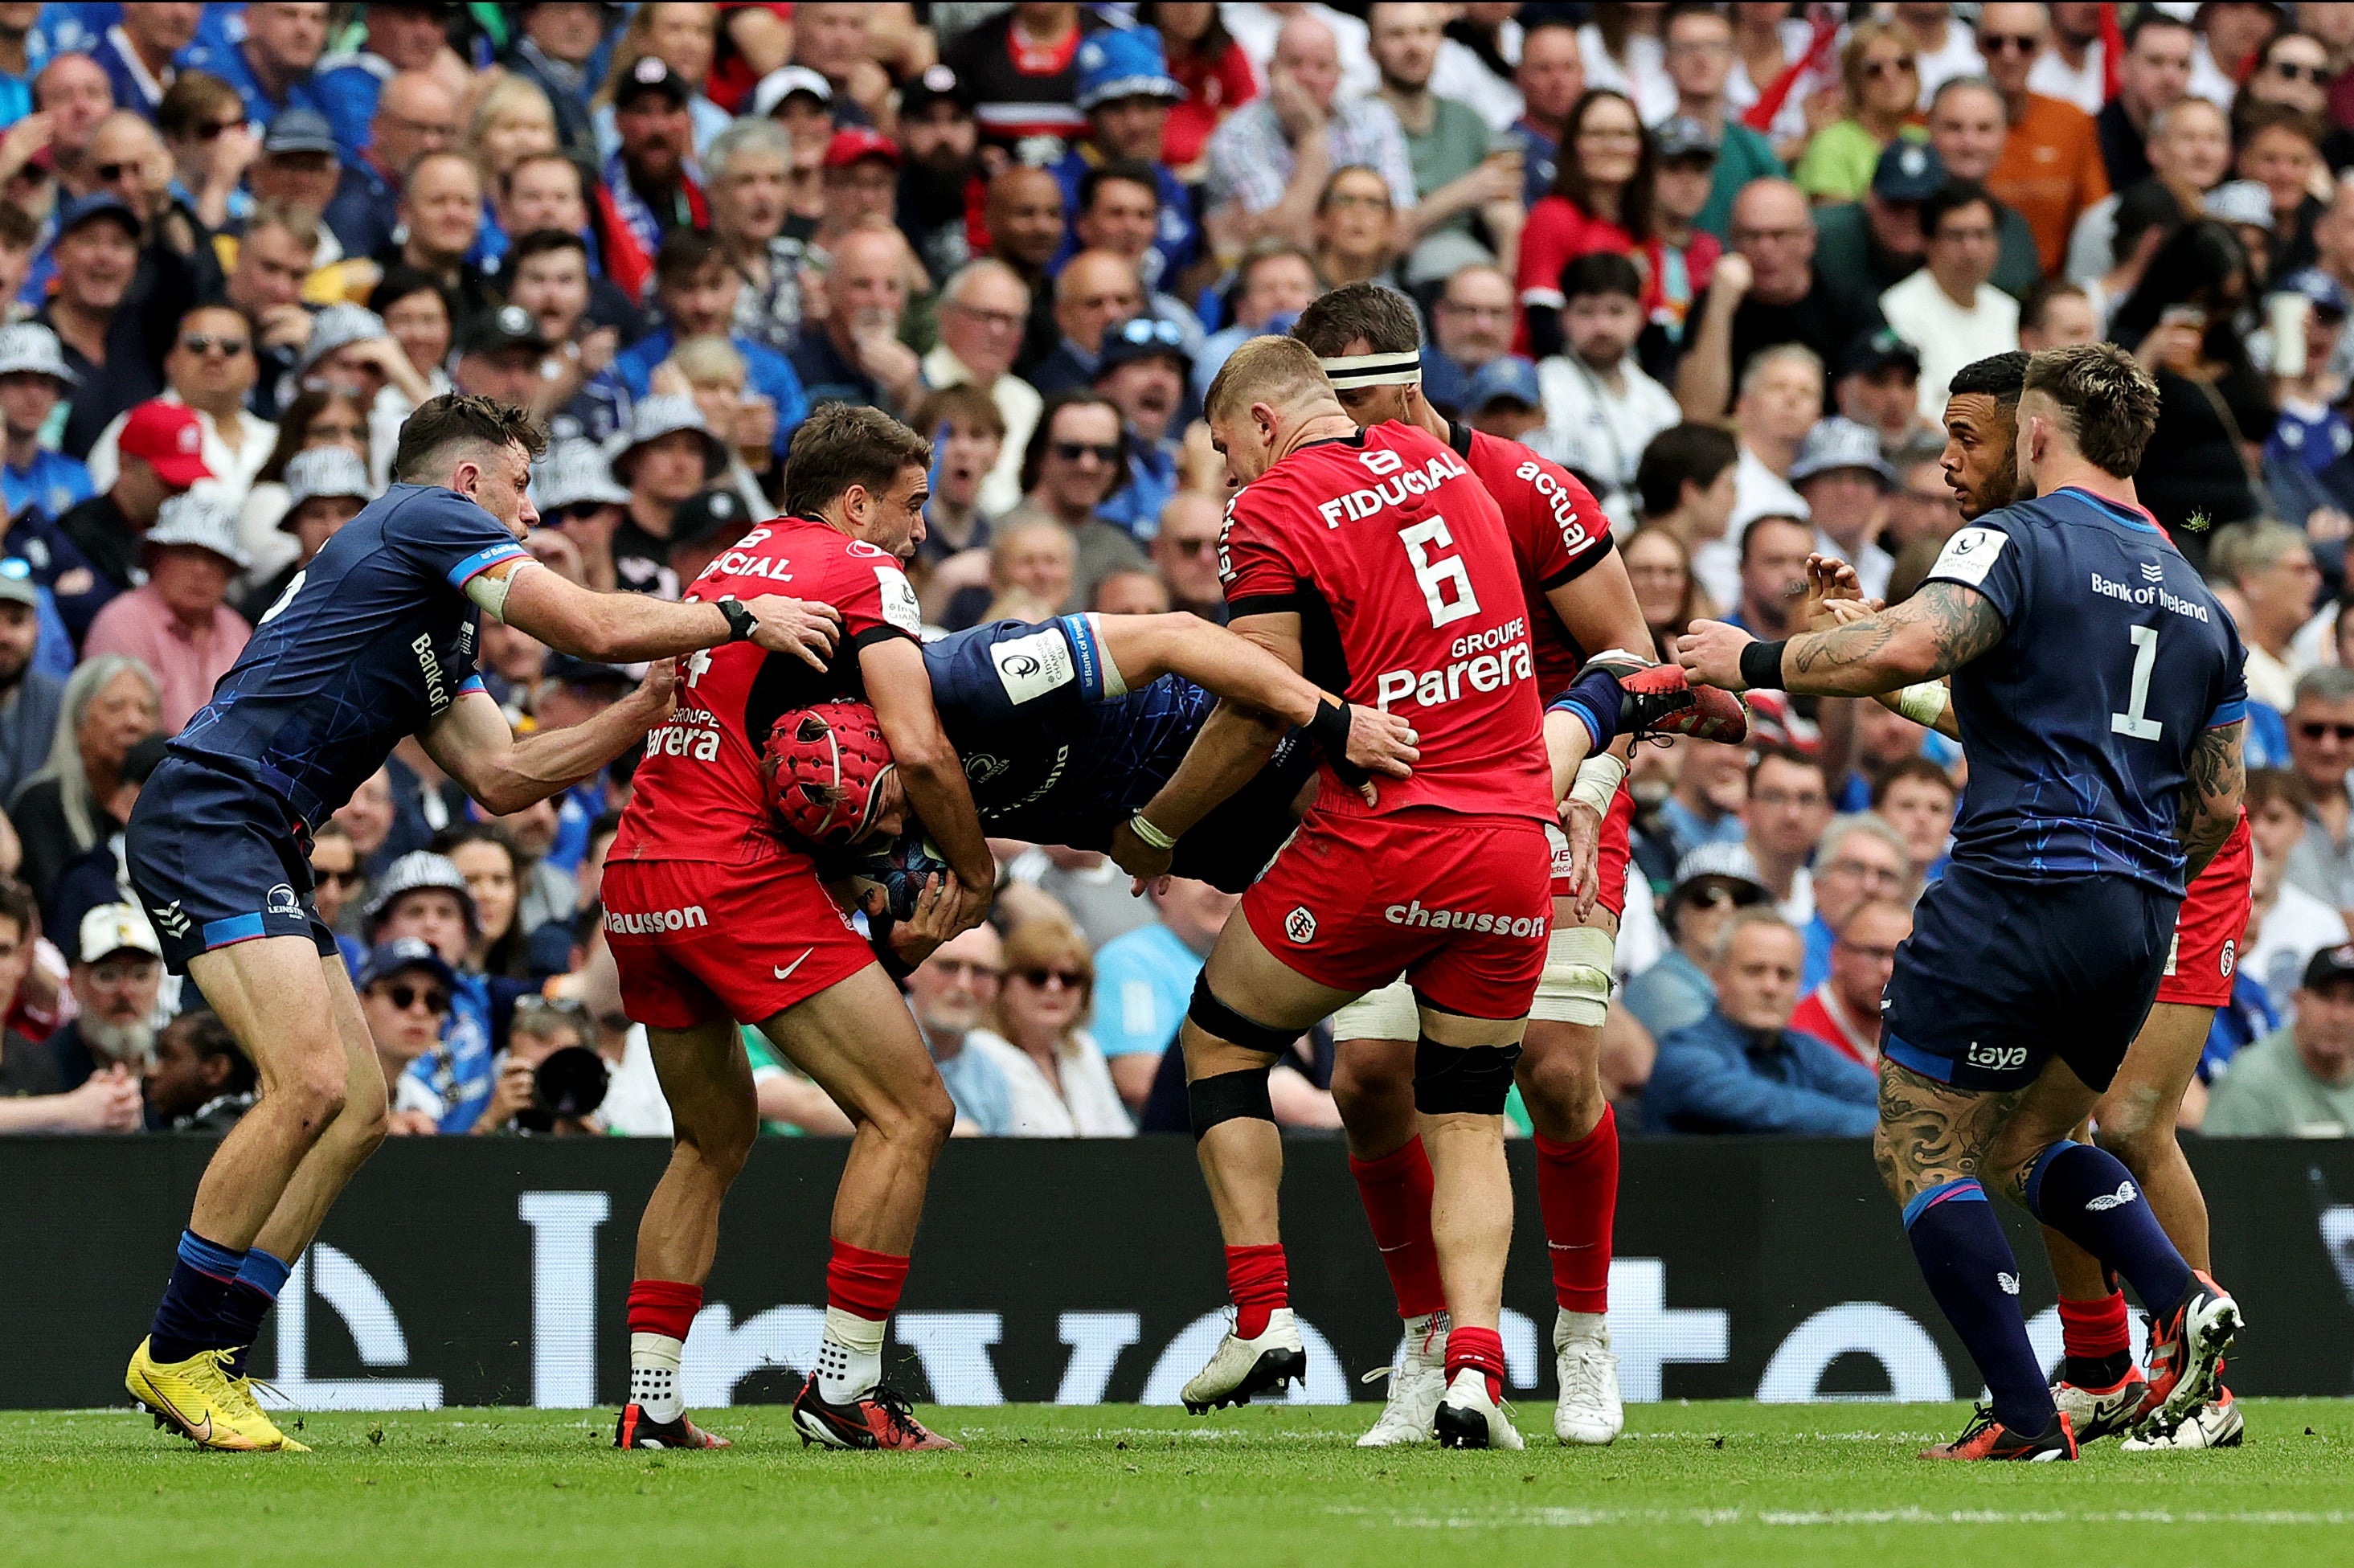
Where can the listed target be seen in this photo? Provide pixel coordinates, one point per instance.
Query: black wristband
(1330, 730)
(741, 622)
(1761, 665)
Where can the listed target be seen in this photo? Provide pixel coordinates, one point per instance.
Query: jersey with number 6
(1408, 593)
(699, 794)
(2115, 660)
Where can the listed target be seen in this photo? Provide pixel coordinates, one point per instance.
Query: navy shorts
(1228, 848)
(217, 859)
(2000, 976)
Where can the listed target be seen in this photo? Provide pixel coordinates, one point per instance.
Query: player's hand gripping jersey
(699, 795)
(1409, 596)
(1558, 535)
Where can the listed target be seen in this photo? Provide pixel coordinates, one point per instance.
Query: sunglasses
(1877, 68)
(197, 342)
(217, 130)
(405, 997)
(1071, 979)
(1072, 452)
(1997, 43)
(2289, 70)
(1152, 330)
(2314, 729)
(111, 173)
(342, 879)
(951, 967)
(1722, 897)
(581, 512)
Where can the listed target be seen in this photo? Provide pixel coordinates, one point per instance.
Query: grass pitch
(1826, 1484)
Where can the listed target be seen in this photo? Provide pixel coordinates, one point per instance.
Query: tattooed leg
(1931, 1133)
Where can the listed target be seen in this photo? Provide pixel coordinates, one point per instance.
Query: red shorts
(2207, 933)
(1461, 904)
(1610, 856)
(695, 940)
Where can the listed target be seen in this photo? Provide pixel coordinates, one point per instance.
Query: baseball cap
(1837, 443)
(575, 472)
(168, 436)
(97, 203)
(1685, 137)
(1908, 171)
(1877, 350)
(1124, 62)
(16, 582)
(388, 958)
(2241, 201)
(709, 515)
(938, 84)
(509, 326)
(651, 74)
(326, 470)
(859, 142)
(654, 418)
(200, 522)
(782, 83)
(1725, 862)
(2330, 964)
(1142, 337)
(2309, 282)
(112, 928)
(412, 873)
(28, 348)
(1508, 377)
(571, 670)
(300, 131)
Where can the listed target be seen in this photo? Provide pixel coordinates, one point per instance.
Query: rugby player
(1373, 561)
(2100, 1388)
(374, 641)
(716, 916)
(1578, 599)
(2098, 693)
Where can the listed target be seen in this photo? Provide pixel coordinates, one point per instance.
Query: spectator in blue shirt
(136, 53)
(1743, 1068)
(951, 994)
(1126, 92)
(1142, 372)
(415, 114)
(1144, 981)
(34, 377)
(1859, 858)
(402, 35)
(854, 354)
(271, 68)
(696, 291)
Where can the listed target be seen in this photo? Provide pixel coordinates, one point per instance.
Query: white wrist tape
(1598, 778)
(1925, 704)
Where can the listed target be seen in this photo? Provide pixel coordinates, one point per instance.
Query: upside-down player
(2098, 691)
(713, 916)
(1577, 595)
(373, 641)
(1373, 561)
(2100, 1388)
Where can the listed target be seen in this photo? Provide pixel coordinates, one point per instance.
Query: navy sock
(2087, 1195)
(1597, 698)
(187, 1320)
(1967, 1262)
(259, 1280)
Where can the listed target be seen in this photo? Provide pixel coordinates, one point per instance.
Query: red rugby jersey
(1558, 533)
(698, 795)
(1409, 596)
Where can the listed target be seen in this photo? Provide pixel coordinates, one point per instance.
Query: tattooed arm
(2210, 801)
(1938, 630)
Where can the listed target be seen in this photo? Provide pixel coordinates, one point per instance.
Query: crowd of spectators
(1720, 260)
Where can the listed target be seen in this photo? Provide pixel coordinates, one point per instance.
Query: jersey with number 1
(700, 794)
(2115, 660)
(1409, 596)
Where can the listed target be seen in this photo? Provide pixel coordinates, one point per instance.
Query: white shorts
(1575, 989)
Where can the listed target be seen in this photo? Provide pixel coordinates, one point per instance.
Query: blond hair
(1278, 370)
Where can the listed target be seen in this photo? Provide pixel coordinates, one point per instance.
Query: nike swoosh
(787, 972)
(1400, 1248)
(203, 1433)
(1571, 1246)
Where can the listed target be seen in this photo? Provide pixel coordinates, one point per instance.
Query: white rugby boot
(1417, 1381)
(1240, 1368)
(1588, 1411)
(1468, 1417)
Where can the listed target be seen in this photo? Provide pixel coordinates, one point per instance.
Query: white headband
(1374, 369)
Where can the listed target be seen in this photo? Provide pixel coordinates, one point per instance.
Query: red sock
(1395, 1191)
(863, 1284)
(2090, 1330)
(1578, 1194)
(665, 1307)
(1479, 1348)
(1259, 1281)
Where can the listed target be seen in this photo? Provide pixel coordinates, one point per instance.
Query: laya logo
(280, 900)
(1997, 1058)
(2117, 1200)
(2008, 1282)
(1299, 925)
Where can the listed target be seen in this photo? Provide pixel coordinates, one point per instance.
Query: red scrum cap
(826, 765)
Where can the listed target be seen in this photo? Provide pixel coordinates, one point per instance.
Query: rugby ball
(901, 869)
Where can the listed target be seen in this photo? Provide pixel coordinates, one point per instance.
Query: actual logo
(1299, 925)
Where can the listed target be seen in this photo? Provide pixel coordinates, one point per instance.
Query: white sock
(850, 1356)
(654, 1376)
(1570, 1325)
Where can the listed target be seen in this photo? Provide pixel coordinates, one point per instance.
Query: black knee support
(1214, 1018)
(1472, 1079)
(1229, 1096)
